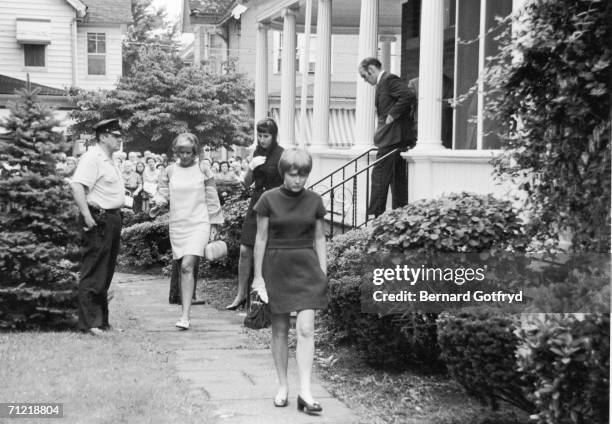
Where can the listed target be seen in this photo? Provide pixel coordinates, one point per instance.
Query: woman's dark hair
(224, 162)
(268, 126)
(142, 165)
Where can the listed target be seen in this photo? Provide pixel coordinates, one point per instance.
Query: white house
(442, 45)
(61, 44)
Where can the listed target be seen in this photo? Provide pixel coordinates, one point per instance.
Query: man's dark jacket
(393, 97)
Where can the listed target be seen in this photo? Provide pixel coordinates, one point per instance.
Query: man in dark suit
(394, 107)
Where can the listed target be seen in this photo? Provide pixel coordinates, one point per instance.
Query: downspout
(75, 68)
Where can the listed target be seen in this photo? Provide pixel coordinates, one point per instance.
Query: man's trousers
(389, 172)
(100, 246)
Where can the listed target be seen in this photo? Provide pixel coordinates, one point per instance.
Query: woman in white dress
(190, 188)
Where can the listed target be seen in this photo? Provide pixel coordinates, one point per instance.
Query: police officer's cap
(107, 126)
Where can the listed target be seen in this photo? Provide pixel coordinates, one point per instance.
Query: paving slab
(217, 359)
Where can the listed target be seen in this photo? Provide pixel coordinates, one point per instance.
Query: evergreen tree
(37, 223)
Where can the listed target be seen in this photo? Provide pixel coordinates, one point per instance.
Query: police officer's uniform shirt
(101, 176)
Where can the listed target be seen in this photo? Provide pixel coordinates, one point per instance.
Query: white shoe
(183, 324)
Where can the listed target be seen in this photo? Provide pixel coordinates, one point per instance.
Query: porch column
(197, 45)
(322, 74)
(261, 72)
(287, 105)
(430, 76)
(385, 51)
(368, 45)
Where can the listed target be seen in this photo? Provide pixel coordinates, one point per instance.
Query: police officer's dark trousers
(100, 246)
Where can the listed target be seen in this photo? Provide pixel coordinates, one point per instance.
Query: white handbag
(215, 250)
(129, 200)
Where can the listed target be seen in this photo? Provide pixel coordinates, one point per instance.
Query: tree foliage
(162, 98)
(551, 97)
(149, 28)
(37, 224)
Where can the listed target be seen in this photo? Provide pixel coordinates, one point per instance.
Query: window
(96, 53)
(301, 41)
(471, 35)
(34, 55)
(277, 55)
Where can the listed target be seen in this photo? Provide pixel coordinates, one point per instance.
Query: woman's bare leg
(280, 349)
(305, 351)
(245, 266)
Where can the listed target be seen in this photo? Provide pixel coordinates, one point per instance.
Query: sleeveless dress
(291, 270)
(189, 221)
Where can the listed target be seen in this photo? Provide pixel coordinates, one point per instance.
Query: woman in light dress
(189, 187)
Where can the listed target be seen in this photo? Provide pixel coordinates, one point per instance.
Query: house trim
(275, 9)
(80, 7)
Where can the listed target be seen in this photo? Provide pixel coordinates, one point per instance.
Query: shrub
(567, 360)
(463, 222)
(346, 253)
(394, 342)
(478, 349)
(391, 342)
(420, 231)
(130, 218)
(38, 230)
(145, 244)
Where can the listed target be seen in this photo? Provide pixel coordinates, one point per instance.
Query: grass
(124, 377)
(377, 397)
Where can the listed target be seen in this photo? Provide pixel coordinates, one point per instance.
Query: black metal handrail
(345, 166)
(345, 180)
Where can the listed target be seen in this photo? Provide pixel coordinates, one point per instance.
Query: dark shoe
(233, 306)
(309, 408)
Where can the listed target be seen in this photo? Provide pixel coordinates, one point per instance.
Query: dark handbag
(258, 313)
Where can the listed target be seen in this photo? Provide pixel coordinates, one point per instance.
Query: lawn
(377, 397)
(121, 378)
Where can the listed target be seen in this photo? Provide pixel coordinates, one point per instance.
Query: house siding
(114, 64)
(57, 72)
(58, 68)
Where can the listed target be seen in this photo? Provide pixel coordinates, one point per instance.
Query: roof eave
(79, 6)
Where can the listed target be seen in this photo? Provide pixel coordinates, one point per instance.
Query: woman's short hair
(224, 163)
(185, 137)
(295, 159)
(268, 126)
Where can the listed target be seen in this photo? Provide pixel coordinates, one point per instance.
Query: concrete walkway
(214, 357)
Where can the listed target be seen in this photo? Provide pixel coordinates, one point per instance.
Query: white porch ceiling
(345, 15)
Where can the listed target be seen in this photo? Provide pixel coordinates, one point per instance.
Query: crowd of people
(141, 171)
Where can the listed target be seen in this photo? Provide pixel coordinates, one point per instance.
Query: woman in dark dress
(263, 171)
(291, 268)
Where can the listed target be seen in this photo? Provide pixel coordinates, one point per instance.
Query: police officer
(98, 191)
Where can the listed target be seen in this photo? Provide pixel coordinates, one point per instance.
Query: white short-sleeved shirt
(100, 175)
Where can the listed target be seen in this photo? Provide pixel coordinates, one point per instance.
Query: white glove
(257, 161)
(259, 287)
